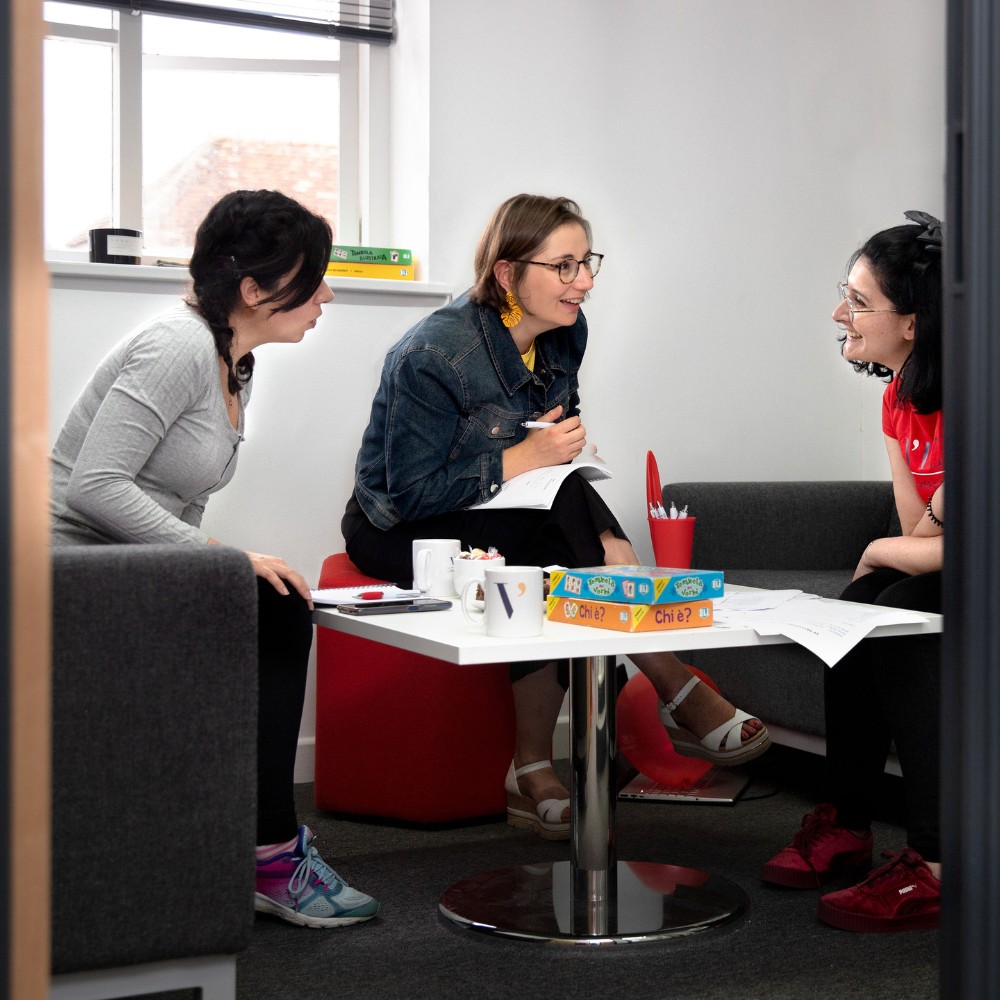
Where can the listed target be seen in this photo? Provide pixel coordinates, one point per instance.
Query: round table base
(637, 901)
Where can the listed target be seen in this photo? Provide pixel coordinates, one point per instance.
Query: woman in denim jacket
(447, 430)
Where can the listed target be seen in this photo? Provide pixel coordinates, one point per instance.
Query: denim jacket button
(495, 431)
(493, 487)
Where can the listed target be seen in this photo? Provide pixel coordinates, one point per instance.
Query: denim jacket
(452, 396)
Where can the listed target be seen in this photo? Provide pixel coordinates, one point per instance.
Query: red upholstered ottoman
(405, 736)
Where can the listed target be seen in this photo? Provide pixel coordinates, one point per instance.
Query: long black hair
(906, 263)
(263, 234)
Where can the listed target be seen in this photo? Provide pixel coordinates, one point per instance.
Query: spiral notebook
(361, 595)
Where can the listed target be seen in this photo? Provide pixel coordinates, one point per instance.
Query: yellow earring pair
(511, 315)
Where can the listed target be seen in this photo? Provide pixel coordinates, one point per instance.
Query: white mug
(433, 570)
(513, 605)
(473, 569)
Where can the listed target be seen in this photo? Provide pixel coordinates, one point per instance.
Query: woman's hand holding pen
(556, 443)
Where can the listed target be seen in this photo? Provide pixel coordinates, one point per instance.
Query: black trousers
(567, 535)
(284, 636)
(888, 690)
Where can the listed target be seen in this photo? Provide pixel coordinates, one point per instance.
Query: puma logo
(907, 888)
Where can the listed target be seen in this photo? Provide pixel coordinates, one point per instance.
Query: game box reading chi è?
(637, 584)
(629, 617)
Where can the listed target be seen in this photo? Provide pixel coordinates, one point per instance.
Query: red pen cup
(672, 539)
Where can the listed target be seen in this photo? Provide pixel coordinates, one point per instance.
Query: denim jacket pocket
(488, 423)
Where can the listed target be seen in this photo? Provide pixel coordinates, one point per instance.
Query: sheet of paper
(829, 630)
(353, 595)
(759, 600)
(537, 489)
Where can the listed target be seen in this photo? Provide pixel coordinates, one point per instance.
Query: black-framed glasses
(852, 306)
(569, 269)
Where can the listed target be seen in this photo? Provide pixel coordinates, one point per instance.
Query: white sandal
(544, 817)
(724, 745)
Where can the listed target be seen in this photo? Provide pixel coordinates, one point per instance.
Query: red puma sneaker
(902, 895)
(819, 853)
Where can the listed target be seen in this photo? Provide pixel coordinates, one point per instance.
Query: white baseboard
(560, 739)
(817, 745)
(305, 760)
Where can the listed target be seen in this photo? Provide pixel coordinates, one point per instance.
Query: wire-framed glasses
(852, 306)
(569, 269)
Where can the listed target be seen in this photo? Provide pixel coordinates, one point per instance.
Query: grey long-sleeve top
(147, 441)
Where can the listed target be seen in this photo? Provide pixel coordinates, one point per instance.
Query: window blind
(370, 21)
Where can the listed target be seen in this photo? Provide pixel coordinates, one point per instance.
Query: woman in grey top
(157, 430)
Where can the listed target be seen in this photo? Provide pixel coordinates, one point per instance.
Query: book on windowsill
(360, 269)
(371, 255)
(537, 489)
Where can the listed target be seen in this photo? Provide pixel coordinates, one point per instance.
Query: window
(150, 119)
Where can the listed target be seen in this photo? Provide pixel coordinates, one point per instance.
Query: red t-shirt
(920, 437)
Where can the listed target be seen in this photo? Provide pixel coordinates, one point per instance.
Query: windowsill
(355, 289)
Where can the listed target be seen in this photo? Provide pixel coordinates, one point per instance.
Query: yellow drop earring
(511, 315)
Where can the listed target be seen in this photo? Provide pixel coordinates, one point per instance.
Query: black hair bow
(933, 234)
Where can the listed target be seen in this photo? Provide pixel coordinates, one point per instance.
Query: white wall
(730, 156)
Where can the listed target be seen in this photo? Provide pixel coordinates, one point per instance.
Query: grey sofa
(154, 652)
(782, 535)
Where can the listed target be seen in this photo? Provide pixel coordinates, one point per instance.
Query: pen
(535, 424)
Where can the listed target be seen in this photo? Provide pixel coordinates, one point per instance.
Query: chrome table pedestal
(593, 899)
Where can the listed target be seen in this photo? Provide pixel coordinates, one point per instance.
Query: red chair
(405, 736)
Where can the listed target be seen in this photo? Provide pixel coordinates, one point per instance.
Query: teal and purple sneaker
(300, 887)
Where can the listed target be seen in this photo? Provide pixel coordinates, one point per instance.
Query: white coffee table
(594, 898)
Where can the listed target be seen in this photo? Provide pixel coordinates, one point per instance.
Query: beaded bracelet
(930, 514)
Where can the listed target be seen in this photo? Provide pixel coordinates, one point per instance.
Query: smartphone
(395, 606)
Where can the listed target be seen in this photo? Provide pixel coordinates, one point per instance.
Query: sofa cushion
(804, 536)
(154, 712)
(785, 525)
(824, 583)
(780, 685)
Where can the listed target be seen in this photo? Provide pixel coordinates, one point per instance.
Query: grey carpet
(777, 950)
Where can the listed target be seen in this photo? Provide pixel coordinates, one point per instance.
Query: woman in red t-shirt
(887, 690)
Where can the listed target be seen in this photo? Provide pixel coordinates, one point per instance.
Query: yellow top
(529, 358)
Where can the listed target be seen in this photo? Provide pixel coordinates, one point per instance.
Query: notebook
(361, 595)
(718, 786)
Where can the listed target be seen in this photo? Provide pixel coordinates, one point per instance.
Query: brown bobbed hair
(516, 231)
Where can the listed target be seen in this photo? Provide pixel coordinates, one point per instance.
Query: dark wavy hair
(263, 234)
(516, 231)
(908, 272)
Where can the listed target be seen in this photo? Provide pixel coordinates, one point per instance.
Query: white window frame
(363, 72)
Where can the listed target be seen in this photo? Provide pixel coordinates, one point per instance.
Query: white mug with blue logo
(433, 566)
(513, 604)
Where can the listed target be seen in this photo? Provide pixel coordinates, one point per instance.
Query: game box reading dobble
(637, 584)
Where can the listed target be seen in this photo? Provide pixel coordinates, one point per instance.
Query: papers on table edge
(537, 489)
(352, 595)
(828, 630)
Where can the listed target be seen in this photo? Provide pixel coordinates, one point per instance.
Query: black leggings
(567, 535)
(888, 690)
(284, 636)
